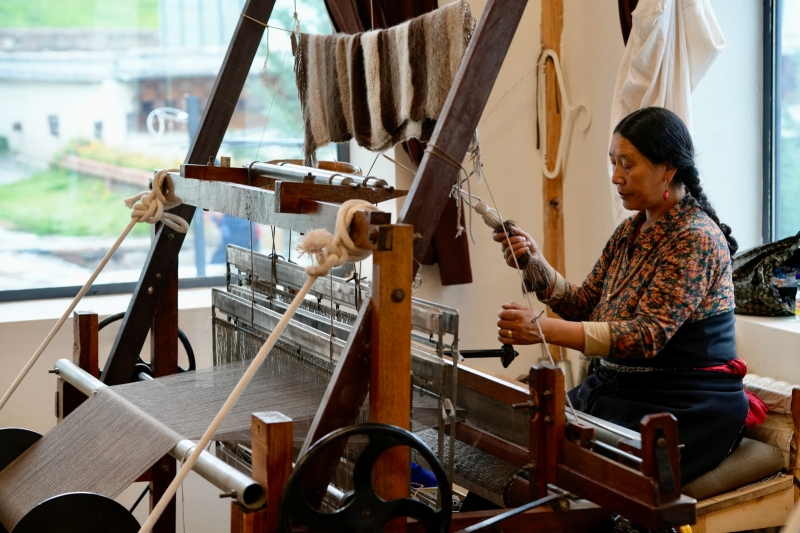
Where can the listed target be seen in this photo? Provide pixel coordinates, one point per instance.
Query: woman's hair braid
(661, 136)
(691, 180)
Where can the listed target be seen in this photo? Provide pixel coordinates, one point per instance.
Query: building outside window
(96, 96)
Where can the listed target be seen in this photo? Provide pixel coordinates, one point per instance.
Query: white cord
(567, 111)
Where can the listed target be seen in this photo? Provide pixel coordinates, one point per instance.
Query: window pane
(787, 212)
(267, 125)
(98, 94)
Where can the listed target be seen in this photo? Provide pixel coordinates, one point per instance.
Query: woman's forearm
(563, 333)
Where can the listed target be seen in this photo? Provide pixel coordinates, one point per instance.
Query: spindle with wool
(535, 272)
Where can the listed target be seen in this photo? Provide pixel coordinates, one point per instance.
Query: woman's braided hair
(661, 136)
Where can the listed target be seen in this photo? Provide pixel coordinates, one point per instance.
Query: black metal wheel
(14, 442)
(143, 366)
(365, 511)
(77, 512)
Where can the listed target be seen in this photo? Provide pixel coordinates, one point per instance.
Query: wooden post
(660, 436)
(425, 203)
(552, 189)
(546, 426)
(164, 362)
(272, 464)
(390, 380)
(84, 354)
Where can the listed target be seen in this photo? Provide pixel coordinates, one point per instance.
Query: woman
(658, 305)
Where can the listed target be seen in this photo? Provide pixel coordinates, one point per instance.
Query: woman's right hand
(516, 245)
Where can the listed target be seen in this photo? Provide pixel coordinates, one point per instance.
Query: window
(781, 118)
(98, 94)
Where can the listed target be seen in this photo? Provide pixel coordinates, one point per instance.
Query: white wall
(727, 118)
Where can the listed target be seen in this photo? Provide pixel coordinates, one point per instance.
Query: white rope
(332, 251)
(567, 112)
(329, 251)
(152, 204)
(150, 209)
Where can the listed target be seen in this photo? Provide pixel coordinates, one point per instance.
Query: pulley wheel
(364, 510)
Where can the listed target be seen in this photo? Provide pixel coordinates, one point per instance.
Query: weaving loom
(499, 439)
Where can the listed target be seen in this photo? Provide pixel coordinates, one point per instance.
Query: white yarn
(332, 251)
(149, 206)
(490, 216)
(149, 210)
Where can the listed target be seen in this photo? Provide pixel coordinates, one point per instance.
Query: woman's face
(640, 183)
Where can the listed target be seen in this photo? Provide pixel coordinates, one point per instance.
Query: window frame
(770, 118)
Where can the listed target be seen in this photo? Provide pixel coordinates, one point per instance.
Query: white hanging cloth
(671, 47)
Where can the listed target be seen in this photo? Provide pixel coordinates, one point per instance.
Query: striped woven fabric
(380, 87)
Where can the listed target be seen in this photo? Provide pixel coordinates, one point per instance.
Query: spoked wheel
(143, 366)
(364, 510)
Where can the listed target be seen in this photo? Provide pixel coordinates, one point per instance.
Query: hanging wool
(380, 87)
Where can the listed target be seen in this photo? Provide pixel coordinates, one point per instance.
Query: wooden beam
(553, 189)
(390, 365)
(167, 243)
(272, 464)
(163, 472)
(423, 207)
(459, 117)
(292, 197)
(545, 426)
(164, 362)
(84, 354)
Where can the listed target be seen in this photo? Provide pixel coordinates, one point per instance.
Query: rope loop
(150, 206)
(331, 251)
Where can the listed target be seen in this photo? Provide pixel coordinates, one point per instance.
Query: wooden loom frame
(154, 302)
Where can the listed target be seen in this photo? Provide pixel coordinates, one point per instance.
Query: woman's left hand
(515, 325)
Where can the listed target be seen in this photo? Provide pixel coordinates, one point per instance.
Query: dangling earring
(666, 190)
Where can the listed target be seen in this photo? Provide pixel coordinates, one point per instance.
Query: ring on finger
(510, 334)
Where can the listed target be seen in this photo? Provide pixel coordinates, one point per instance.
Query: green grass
(79, 14)
(60, 202)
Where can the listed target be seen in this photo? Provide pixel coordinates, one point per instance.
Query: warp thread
(117, 433)
(383, 86)
(324, 251)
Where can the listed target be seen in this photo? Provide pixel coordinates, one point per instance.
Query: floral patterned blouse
(647, 286)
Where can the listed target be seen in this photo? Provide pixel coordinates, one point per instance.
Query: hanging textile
(450, 252)
(672, 45)
(383, 86)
